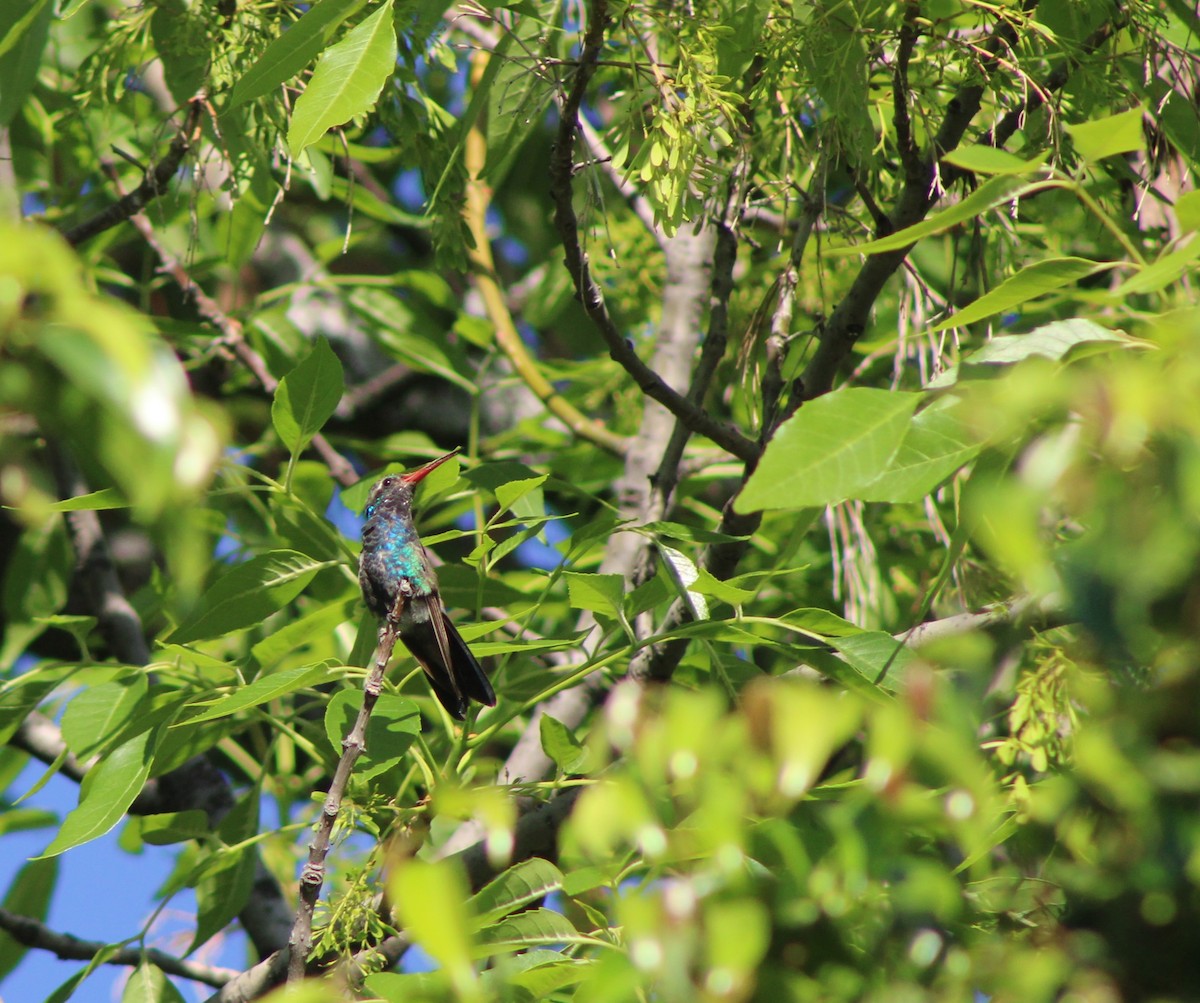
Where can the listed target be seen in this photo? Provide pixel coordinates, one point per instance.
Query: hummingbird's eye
(387, 482)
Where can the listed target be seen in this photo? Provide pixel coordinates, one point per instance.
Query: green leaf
(292, 51)
(1161, 273)
(835, 55)
(94, 501)
(935, 445)
(347, 81)
(248, 594)
(1050, 341)
(149, 984)
(106, 793)
(1106, 137)
(393, 726)
(319, 624)
(223, 892)
(524, 497)
(1187, 211)
(21, 695)
(516, 888)
(560, 745)
(21, 52)
(831, 448)
(1032, 281)
(264, 688)
(392, 987)
(684, 573)
(483, 649)
(598, 593)
(517, 98)
(28, 895)
(179, 35)
(174, 827)
(726, 592)
(993, 192)
(409, 337)
(870, 651)
(26, 819)
(100, 712)
(544, 972)
(307, 396)
(530, 929)
(990, 160)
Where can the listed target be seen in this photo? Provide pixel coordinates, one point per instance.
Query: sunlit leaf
(107, 792)
(347, 81)
(307, 396)
(247, 594)
(829, 450)
(292, 51)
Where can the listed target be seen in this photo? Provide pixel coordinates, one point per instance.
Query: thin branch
(233, 339)
(369, 391)
(562, 169)
(35, 934)
(313, 874)
(1046, 612)
(478, 198)
(154, 184)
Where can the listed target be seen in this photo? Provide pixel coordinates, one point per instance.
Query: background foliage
(828, 511)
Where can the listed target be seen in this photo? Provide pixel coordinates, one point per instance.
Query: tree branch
(313, 874)
(154, 183)
(921, 191)
(233, 339)
(35, 934)
(562, 168)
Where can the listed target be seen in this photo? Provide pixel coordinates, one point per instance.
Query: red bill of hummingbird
(400, 586)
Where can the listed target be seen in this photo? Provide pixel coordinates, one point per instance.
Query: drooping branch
(32, 933)
(153, 184)
(562, 169)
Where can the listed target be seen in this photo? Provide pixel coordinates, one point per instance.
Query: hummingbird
(400, 586)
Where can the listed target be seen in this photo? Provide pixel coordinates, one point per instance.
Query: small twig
(154, 183)
(33, 933)
(363, 395)
(567, 224)
(313, 875)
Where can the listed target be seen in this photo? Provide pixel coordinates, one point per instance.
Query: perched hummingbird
(399, 585)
